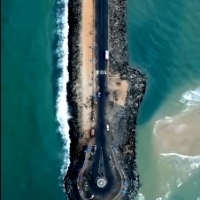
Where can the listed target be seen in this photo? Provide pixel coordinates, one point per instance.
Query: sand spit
(126, 87)
(88, 65)
(80, 87)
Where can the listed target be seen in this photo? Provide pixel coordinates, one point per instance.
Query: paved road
(102, 46)
(102, 101)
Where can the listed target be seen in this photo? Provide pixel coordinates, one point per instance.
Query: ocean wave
(61, 104)
(192, 161)
(140, 197)
(191, 97)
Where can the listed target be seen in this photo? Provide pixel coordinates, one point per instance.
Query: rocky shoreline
(73, 95)
(128, 114)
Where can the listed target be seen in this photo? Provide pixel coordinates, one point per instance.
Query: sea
(34, 133)
(163, 41)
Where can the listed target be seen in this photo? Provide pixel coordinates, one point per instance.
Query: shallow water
(180, 133)
(164, 42)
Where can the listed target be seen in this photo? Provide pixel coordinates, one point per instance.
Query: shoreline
(128, 112)
(137, 85)
(74, 63)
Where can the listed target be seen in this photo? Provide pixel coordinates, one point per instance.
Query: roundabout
(101, 182)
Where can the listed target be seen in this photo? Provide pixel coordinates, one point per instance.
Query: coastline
(125, 122)
(74, 64)
(128, 110)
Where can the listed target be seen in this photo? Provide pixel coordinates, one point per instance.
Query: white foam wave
(181, 156)
(191, 97)
(140, 197)
(193, 162)
(179, 183)
(61, 104)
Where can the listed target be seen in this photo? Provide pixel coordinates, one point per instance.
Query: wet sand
(170, 148)
(180, 133)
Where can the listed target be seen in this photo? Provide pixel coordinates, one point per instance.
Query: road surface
(101, 65)
(101, 157)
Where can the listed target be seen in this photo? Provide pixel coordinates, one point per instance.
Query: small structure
(101, 182)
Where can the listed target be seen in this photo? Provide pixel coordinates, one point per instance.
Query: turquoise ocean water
(164, 42)
(32, 148)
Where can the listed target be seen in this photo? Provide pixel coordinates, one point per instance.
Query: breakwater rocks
(125, 118)
(73, 97)
(125, 115)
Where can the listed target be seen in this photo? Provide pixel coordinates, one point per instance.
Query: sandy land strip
(87, 42)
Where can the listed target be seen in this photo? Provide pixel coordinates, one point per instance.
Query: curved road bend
(102, 46)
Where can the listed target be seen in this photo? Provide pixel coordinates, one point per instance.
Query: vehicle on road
(99, 94)
(107, 127)
(106, 54)
(92, 197)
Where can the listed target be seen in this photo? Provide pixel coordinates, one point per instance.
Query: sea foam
(61, 103)
(191, 97)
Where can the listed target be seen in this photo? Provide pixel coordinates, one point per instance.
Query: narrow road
(102, 64)
(110, 190)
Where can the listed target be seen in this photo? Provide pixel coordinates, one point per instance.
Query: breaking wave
(191, 97)
(189, 162)
(62, 113)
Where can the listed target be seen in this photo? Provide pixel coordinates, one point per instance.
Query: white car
(92, 197)
(99, 94)
(107, 127)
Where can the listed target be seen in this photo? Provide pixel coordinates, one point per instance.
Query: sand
(180, 133)
(118, 89)
(88, 70)
(87, 43)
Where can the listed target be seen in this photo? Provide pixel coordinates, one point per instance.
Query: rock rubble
(125, 118)
(73, 97)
